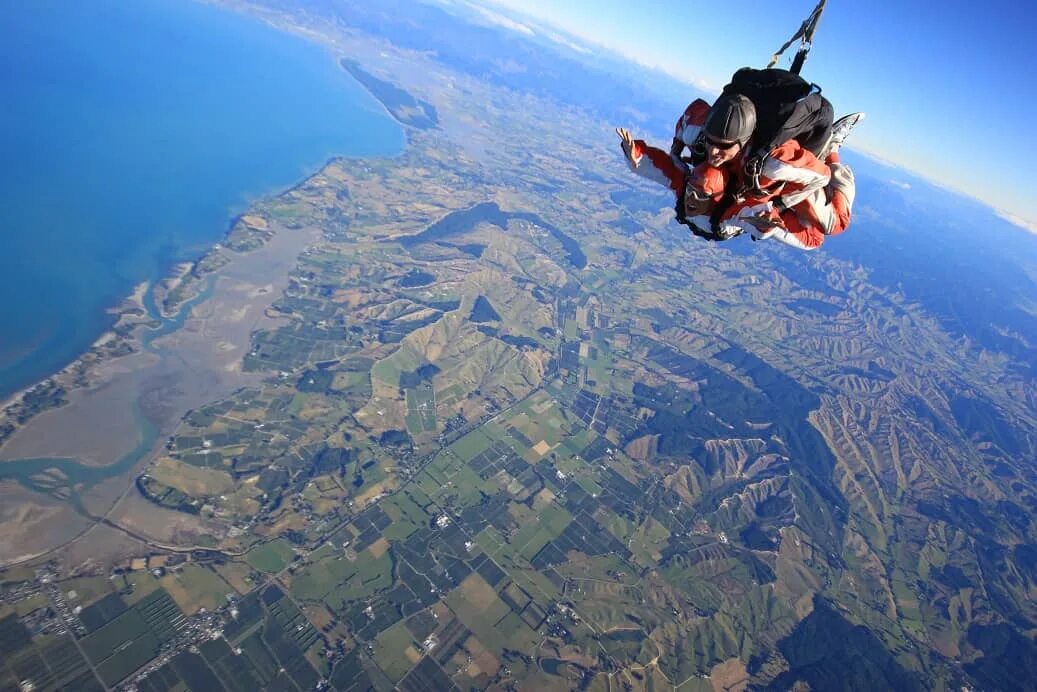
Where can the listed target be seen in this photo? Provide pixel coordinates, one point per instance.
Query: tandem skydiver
(732, 184)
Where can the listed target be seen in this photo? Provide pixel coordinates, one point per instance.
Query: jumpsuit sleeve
(658, 166)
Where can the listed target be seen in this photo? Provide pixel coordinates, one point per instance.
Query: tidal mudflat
(74, 463)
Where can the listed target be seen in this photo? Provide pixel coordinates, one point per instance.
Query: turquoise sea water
(130, 133)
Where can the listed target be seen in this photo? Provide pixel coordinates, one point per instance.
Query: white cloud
(901, 184)
(593, 43)
(1025, 224)
(502, 21)
(679, 75)
(890, 163)
(530, 29)
(559, 39)
(877, 156)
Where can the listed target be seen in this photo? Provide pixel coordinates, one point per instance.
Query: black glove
(726, 232)
(676, 148)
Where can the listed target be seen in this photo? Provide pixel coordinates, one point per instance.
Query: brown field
(234, 573)
(376, 489)
(539, 681)
(643, 448)
(178, 593)
(325, 484)
(101, 547)
(542, 406)
(191, 480)
(521, 422)
(289, 521)
(241, 502)
(325, 505)
(255, 221)
(477, 592)
(482, 659)
(442, 612)
(544, 498)
(318, 615)
(195, 587)
(379, 547)
(651, 678)
(729, 676)
(165, 525)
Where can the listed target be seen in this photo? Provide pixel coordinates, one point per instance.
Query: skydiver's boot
(840, 131)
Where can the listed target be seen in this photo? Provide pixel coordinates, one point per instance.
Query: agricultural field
(265, 645)
(117, 638)
(47, 662)
(194, 587)
(421, 410)
(271, 557)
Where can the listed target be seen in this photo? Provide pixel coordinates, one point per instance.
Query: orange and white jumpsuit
(814, 198)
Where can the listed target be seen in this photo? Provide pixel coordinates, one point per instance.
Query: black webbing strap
(805, 34)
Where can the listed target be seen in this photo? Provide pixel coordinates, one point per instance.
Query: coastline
(136, 402)
(132, 313)
(116, 340)
(122, 358)
(172, 285)
(135, 300)
(122, 337)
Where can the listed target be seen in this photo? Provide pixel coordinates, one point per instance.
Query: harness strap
(725, 203)
(805, 34)
(753, 168)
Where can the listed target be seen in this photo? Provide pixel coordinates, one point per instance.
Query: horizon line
(537, 26)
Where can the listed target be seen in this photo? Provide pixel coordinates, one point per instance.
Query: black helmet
(731, 119)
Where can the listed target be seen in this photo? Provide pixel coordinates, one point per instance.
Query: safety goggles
(693, 194)
(710, 142)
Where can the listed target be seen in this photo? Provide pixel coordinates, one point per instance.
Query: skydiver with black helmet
(783, 192)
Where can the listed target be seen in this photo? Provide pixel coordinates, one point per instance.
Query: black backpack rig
(787, 107)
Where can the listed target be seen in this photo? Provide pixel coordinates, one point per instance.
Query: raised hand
(627, 142)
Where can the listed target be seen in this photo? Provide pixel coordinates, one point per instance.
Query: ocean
(131, 133)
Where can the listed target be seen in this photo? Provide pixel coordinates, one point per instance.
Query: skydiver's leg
(652, 163)
(833, 210)
(826, 212)
(821, 112)
(844, 191)
(796, 233)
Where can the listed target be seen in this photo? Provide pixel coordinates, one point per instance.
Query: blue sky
(950, 88)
